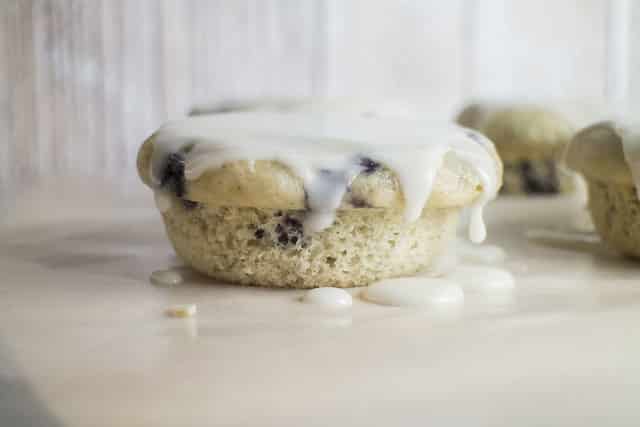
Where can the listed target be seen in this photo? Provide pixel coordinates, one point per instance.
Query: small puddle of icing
(462, 270)
(482, 279)
(166, 278)
(333, 298)
(327, 151)
(483, 254)
(463, 252)
(422, 292)
(444, 264)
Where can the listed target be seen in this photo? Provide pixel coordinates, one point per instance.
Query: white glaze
(332, 298)
(458, 275)
(166, 278)
(482, 279)
(324, 150)
(462, 252)
(483, 254)
(422, 292)
(444, 263)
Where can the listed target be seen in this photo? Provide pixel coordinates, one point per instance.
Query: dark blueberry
(173, 177)
(188, 204)
(259, 233)
(357, 202)
(283, 239)
(289, 231)
(293, 223)
(534, 182)
(370, 166)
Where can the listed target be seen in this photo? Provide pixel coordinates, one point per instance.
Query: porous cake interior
(270, 248)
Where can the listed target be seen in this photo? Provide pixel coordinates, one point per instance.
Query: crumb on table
(182, 310)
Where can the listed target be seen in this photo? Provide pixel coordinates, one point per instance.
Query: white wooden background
(82, 82)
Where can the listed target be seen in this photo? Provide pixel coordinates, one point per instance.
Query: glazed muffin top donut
(519, 132)
(606, 151)
(320, 163)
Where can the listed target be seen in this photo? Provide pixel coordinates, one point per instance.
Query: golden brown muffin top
(320, 163)
(519, 131)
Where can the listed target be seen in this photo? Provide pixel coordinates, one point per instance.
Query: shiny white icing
(325, 151)
(332, 298)
(482, 254)
(166, 278)
(460, 252)
(482, 279)
(461, 270)
(422, 292)
(444, 263)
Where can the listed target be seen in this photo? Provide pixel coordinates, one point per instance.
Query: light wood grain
(405, 50)
(19, 132)
(254, 49)
(176, 57)
(619, 37)
(82, 82)
(633, 100)
(113, 129)
(540, 49)
(6, 116)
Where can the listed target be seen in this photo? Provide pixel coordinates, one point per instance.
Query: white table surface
(84, 340)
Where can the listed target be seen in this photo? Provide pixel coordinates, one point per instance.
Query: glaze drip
(328, 151)
(331, 298)
(422, 292)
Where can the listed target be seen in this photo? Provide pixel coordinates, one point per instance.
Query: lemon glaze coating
(329, 174)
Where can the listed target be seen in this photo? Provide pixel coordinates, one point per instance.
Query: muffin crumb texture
(266, 247)
(616, 214)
